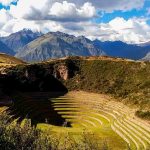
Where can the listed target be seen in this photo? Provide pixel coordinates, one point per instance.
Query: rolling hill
(98, 95)
(7, 61)
(124, 79)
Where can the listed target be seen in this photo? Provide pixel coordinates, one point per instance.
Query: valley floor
(82, 112)
(103, 116)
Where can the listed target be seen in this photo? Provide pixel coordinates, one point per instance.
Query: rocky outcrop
(62, 72)
(32, 78)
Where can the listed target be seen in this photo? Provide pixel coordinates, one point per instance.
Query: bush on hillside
(24, 137)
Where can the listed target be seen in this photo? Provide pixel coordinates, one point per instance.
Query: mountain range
(56, 45)
(147, 57)
(35, 46)
(5, 49)
(123, 50)
(19, 39)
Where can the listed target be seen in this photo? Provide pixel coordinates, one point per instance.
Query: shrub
(143, 114)
(24, 137)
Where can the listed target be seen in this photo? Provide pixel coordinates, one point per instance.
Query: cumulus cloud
(4, 17)
(28, 8)
(133, 30)
(57, 11)
(69, 12)
(74, 17)
(7, 2)
(111, 5)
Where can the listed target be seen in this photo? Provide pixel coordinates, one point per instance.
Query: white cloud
(27, 7)
(69, 12)
(74, 17)
(4, 17)
(131, 31)
(57, 11)
(111, 5)
(7, 2)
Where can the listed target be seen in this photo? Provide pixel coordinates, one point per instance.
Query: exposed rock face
(57, 45)
(41, 77)
(19, 39)
(62, 72)
(38, 77)
(29, 74)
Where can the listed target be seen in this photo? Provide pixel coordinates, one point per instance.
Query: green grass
(9, 60)
(127, 81)
(103, 130)
(143, 114)
(92, 114)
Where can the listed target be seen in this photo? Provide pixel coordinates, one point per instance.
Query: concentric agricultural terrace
(111, 120)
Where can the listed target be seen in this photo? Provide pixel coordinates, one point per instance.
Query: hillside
(147, 57)
(102, 96)
(126, 80)
(7, 59)
(19, 39)
(123, 50)
(35, 47)
(5, 49)
(56, 45)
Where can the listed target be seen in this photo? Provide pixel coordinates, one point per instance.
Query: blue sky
(106, 17)
(139, 13)
(7, 7)
(124, 20)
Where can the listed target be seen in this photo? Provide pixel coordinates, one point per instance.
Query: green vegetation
(125, 80)
(90, 121)
(15, 136)
(111, 121)
(6, 59)
(143, 114)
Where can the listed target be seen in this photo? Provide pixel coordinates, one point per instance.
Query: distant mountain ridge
(147, 57)
(5, 49)
(56, 45)
(19, 39)
(121, 49)
(35, 46)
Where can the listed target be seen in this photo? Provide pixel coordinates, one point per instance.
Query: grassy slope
(9, 60)
(127, 80)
